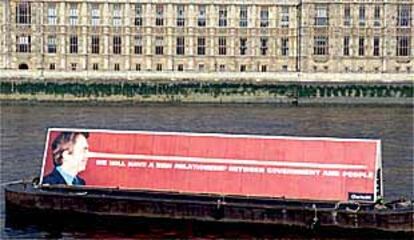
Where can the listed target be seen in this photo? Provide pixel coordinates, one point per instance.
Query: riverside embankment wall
(208, 88)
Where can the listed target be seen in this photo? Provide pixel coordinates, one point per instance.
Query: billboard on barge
(245, 165)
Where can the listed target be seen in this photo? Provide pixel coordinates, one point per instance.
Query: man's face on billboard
(78, 158)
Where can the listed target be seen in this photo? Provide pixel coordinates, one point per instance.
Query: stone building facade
(363, 36)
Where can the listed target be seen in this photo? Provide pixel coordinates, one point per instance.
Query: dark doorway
(23, 66)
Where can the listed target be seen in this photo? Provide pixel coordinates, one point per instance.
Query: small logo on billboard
(361, 196)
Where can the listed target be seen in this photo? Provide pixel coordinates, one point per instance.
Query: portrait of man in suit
(70, 156)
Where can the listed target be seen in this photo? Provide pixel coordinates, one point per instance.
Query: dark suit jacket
(56, 178)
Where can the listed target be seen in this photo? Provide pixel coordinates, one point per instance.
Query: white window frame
(138, 45)
(284, 16)
(377, 16)
(159, 45)
(117, 15)
(201, 18)
(73, 14)
(117, 45)
(201, 46)
(222, 46)
(403, 15)
(95, 15)
(223, 16)
(376, 48)
(180, 46)
(321, 46)
(180, 21)
(321, 15)
(362, 15)
(346, 46)
(23, 13)
(244, 16)
(347, 15)
(138, 21)
(284, 46)
(361, 46)
(73, 45)
(23, 43)
(403, 46)
(243, 46)
(95, 44)
(51, 14)
(159, 15)
(51, 44)
(264, 46)
(264, 17)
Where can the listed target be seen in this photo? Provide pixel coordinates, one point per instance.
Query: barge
(188, 177)
(24, 199)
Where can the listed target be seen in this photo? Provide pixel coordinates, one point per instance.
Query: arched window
(23, 66)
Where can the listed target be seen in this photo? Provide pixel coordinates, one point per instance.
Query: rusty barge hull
(25, 198)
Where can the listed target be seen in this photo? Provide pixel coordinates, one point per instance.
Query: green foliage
(6, 87)
(215, 89)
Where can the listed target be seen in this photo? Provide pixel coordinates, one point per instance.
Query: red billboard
(245, 165)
